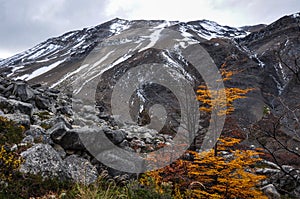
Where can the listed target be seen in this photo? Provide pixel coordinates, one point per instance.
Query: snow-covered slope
(58, 53)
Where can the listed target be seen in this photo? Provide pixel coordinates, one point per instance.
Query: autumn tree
(213, 101)
(230, 174)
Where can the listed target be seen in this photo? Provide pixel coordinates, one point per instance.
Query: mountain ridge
(105, 30)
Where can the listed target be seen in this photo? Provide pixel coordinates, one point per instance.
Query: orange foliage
(230, 174)
(213, 99)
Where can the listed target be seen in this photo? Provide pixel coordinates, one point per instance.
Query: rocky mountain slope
(77, 58)
(56, 133)
(134, 81)
(61, 52)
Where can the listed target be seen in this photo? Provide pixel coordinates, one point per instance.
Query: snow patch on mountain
(176, 66)
(209, 30)
(98, 73)
(40, 71)
(279, 86)
(154, 37)
(296, 15)
(68, 35)
(46, 49)
(78, 70)
(119, 26)
(260, 63)
(14, 69)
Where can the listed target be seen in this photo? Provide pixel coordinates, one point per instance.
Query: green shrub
(10, 133)
(9, 164)
(28, 185)
(43, 115)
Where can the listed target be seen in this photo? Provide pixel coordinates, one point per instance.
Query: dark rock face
(23, 91)
(116, 136)
(71, 140)
(42, 103)
(147, 95)
(58, 131)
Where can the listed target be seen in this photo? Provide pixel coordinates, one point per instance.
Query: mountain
(74, 46)
(145, 73)
(254, 28)
(78, 60)
(73, 60)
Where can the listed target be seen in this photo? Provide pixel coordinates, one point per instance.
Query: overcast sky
(25, 23)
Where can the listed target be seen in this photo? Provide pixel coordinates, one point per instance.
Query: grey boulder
(80, 170)
(42, 159)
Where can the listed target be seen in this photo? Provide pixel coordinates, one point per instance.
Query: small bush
(43, 115)
(9, 164)
(103, 189)
(10, 133)
(28, 185)
(152, 187)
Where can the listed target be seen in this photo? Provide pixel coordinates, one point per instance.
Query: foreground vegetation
(203, 176)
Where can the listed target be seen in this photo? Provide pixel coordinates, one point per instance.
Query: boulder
(19, 119)
(43, 159)
(57, 132)
(139, 132)
(42, 102)
(28, 140)
(70, 140)
(54, 120)
(39, 134)
(115, 136)
(60, 150)
(2, 88)
(23, 91)
(121, 162)
(80, 170)
(66, 110)
(13, 106)
(35, 131)
(8, 90)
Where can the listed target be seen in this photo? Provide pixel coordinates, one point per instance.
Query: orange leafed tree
(223, 106)
(213, 100)
(230, 174)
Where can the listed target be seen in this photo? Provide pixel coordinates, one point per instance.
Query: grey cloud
(258, 11)
(25, 23)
